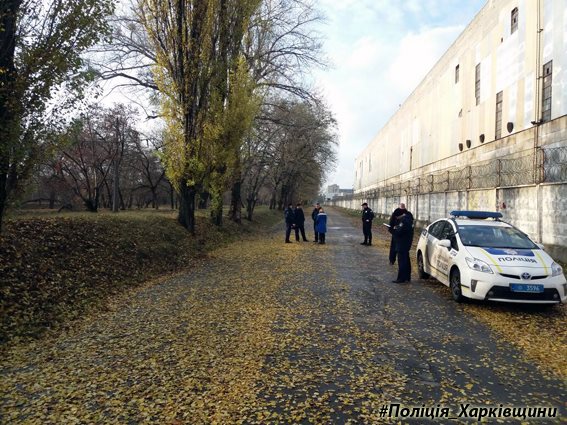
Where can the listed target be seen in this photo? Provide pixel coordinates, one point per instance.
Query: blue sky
(379, 52)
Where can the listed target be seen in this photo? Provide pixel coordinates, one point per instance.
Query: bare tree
(41, 43)
(282, 47)
(293, 148)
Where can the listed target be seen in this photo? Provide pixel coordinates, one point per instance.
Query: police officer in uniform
(403, 237)
(367, 217)
(398, 212)
(314, 217)
(299, 223)
(289, 215)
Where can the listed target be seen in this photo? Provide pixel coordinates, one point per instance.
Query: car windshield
(494, 237)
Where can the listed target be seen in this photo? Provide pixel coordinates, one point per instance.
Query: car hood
(506, 258)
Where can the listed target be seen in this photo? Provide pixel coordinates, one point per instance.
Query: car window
(436, 228)
(494, 237)
(447, 231)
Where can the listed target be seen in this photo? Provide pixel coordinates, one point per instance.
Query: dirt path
(267, 332)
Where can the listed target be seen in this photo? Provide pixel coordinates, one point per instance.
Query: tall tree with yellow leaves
(200, 74)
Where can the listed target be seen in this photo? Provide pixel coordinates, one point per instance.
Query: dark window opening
(546, 99)
(498, 129)
(456, 74)
(514, 21)
(477, 84)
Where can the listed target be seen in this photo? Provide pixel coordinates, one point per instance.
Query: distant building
(334, 191)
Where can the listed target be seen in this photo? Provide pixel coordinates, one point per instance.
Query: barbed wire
(555, 165)
(544, 165)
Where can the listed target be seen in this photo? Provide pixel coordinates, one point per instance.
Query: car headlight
(556, 269)
(478, 265)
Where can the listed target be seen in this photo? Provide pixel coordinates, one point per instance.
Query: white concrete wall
(538, 210)
(440, 113)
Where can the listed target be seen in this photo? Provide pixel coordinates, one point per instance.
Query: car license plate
(523, 287)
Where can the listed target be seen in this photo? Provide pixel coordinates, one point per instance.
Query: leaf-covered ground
(55, 267)
(267, 332)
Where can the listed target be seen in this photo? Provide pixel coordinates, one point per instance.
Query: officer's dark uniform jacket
(289, 215)
(403, 235)
(367, 214)
(299, 216)
(403, 232)
(314, 213)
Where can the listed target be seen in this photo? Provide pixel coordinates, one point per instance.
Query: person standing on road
(367, 217)
(403, 235)
(321, 225)
(289, 215)
(398, 212)
(299, 223)
(314, 217)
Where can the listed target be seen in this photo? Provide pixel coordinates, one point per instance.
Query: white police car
(480, 257)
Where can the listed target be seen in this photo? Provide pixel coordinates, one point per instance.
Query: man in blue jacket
(321, 225)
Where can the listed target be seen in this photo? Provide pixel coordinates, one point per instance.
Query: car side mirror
(446, 243)
(540, 246)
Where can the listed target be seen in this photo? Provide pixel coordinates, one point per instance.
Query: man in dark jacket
(398, 212)
(289, 215)
(314, 217)
(367, 217)
(299, 223)
(403, 236)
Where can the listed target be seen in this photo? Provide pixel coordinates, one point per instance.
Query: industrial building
(485, 129)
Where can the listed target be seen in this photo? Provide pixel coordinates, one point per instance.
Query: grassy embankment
(56, 267)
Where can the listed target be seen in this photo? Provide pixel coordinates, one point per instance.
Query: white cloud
(381, 50)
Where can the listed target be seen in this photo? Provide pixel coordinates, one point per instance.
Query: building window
(546, 100)
(498, 130)
(477, 84)
(456, 74)
(514, 21)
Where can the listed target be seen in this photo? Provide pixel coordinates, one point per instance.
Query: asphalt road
(267, 332)
(447, 357)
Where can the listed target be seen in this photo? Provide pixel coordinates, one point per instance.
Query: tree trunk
(250, 204)
(52, 199)
(172, 197)
(203, 200)
(9, 11)
(235, 212)
(115, 186)
(186, 215)
(216, 209)
(3, 194)
(154, 199)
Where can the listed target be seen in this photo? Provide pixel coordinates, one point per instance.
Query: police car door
(444, 255)
(433, 235)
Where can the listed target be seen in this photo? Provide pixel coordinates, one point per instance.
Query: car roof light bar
(477, 214)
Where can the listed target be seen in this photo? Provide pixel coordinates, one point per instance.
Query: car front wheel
(421, 267)
(455, 285)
